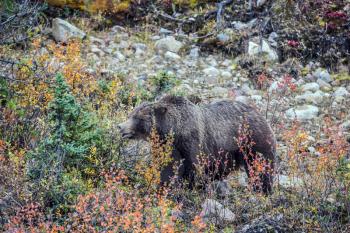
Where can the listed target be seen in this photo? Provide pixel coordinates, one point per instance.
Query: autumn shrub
(65, 164)
(163, 82)
(161, 151)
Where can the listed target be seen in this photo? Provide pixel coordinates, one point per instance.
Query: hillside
(72, 71)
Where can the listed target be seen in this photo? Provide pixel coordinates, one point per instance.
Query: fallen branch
(171, 18)
(220, 8)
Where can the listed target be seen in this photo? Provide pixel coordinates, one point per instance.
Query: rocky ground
(139, 54)
(286, 92)
(292, 94)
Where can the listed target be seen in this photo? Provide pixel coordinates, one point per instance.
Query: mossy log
(93, 6)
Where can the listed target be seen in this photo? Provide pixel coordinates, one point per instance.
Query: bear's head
(161, 114)
(139, 122)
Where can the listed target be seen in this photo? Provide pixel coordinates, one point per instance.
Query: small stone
(272, 39)
(97, 41)
(194, 52)
(246, 89)
(164, 31)
(310, 87)
(340, 92)
(214, 209)
(226, 63)
(255, 49)
(62, 30)
(222, 188)
(212, 73)
(243, 179)
(219, 91)
(117, 29)
(211, 61)
(168, 44)
(242, 98)
(273, 87)
(324, 86)
(140, 46)
(260, 3)
(304, 112)
(96, 50)
(309, 97)
(139, 53)
(172, 56)
(123, 44)
(119, 56)
(256, 98)
(289, 182)
(223, 38)
(238, 25)
(311, 149)
(226, 74)
(323, 75)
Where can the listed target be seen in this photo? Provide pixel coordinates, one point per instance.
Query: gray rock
(168, 44)
(242, 98)
(164, 31)
(310, 78)
(140, 46)
(260, 3)
(222, 188)
(226, 63)
(272, 39)
(323, 75)
(255, 49)
(212, 73)
(219, 91)
(139, 52)
(211, 61)
(119, 56)
(273, 87)
(304, 112)
(194, 52)
(62, 30)
(345, 125)
(117, 29)
(243, 179)
(172, 56)
(123, 44)
(214, 209)
(288, 182)
(310, 87)
(309, 97)
(238, 25)
(340, 94)
(96, 50)
(324, 86)
(246, 89)
(226, 74)
(223, 37)
(97, 41)
(256, 98)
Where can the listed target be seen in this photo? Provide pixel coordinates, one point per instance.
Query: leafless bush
(20, 20)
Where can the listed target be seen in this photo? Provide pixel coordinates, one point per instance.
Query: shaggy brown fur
(210, 129)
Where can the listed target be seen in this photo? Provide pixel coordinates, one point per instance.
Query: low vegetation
(62, 166)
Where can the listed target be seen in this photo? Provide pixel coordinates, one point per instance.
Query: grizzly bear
(210, 129)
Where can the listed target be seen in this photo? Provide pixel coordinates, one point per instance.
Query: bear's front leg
(174, 169)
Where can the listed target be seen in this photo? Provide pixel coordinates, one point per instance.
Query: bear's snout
(125, 129)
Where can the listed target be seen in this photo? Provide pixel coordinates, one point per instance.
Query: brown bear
(210, 129)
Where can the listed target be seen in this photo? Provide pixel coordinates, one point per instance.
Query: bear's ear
(160, 109)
